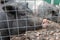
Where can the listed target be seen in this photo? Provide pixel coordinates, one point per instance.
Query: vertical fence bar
(52, 2)
(59, 11)
(0, 36)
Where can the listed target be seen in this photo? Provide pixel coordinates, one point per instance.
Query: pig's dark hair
(3, 1)
(13, 10)
(10, 9)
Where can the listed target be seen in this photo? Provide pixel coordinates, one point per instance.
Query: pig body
(15, 19)
(48, 11)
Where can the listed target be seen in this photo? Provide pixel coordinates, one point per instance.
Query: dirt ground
(49, 33)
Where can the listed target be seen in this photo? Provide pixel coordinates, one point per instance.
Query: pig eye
(54, 13)
(22, 14)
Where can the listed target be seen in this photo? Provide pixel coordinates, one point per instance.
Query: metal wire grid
(16, 23)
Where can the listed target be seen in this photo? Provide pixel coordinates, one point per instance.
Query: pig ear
(12, 10)
(9, 9)
(25, 5)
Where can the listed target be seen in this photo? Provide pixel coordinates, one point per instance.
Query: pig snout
(45, 23)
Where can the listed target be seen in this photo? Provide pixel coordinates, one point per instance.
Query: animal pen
(29, 19)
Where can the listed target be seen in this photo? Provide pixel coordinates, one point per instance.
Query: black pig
(17, 18)
(46, 10)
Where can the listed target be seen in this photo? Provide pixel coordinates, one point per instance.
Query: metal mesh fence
(18, 17)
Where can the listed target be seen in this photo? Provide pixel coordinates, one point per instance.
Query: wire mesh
(16, 24)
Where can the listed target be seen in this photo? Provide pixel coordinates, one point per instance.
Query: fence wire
(16, 24)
